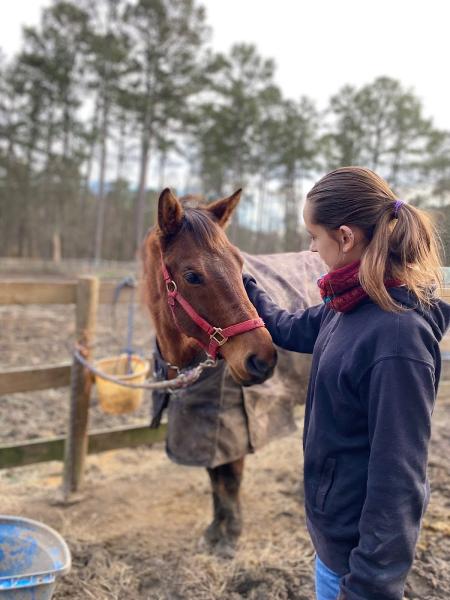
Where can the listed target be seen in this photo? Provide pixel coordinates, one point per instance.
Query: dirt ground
(136, 535)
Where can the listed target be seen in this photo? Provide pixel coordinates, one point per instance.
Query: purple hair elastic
(397, 206)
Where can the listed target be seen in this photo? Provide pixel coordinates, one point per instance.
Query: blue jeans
(327, 582)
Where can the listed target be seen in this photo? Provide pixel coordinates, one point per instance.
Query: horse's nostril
(257, 367)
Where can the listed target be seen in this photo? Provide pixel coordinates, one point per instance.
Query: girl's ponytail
(405, 247)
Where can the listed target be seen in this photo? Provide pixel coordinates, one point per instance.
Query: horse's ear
(223, 209)
(170, 213)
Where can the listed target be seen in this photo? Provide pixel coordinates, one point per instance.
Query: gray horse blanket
(216, 421)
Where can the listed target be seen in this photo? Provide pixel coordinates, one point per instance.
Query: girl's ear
(347, 238)
(350, 237)
(170, 213)
(223, 209)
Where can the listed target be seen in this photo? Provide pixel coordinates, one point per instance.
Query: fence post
(80, 387)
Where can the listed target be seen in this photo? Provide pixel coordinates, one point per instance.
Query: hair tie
(397, 206)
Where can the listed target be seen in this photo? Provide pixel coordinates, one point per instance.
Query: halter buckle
(218, 336)
(171, 286)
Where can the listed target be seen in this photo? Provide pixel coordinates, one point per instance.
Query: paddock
(135, 532)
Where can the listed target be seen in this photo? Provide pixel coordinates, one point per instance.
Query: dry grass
(136, 534)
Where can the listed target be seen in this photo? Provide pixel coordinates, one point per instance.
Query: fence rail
(44, 450)
(75, 266)
(39, 378)
(35, 292)
(86, 294)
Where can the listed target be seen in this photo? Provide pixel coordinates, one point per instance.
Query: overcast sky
(320, 45)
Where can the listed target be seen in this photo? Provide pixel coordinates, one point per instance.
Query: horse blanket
(216, 421)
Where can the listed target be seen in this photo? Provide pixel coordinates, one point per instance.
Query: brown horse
(206, 269)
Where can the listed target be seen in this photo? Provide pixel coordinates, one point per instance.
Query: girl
(374, 377)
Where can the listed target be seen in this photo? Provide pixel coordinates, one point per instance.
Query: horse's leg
(214, 532)
(226, 526)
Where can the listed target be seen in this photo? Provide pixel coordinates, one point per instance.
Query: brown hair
(403, 246)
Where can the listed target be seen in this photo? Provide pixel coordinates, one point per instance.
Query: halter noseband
(217, 335)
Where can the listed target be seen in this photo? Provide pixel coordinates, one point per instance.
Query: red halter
(217, 336)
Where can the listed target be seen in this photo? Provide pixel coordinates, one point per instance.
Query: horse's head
(206, 271)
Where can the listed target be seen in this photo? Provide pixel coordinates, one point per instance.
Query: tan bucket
(114, 398)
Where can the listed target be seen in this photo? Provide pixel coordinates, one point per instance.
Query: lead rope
(184, 378)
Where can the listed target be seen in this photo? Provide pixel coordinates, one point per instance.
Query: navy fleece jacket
(372, 388)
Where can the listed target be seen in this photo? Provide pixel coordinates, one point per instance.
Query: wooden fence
(86, 293)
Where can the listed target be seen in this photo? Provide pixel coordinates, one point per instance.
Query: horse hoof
(203, 545)
(225, 549)
(212, 534)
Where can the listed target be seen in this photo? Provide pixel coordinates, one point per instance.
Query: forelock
(200, 224)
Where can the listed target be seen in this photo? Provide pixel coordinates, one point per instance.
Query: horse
(194, 291)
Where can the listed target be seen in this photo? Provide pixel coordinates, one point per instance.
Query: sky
(320, 45)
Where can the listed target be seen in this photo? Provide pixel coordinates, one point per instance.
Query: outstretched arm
(296, 331)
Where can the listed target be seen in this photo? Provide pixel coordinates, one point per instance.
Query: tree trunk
(238, 182)
(261, 208)
(66, 127)
(162, 170)
(140, 204)
(121, 152)
(91, 152)
(291, 241)
(101, 193)
(56, 247)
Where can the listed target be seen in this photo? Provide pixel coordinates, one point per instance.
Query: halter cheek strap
(217, 336)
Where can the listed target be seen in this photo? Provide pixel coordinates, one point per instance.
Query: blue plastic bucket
(32, 555)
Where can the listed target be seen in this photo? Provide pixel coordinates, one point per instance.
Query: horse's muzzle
(258, 369)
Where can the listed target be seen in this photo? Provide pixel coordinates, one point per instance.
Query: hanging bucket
(114, 398)
(32, 555)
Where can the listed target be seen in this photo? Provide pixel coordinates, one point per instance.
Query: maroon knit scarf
(342, 290)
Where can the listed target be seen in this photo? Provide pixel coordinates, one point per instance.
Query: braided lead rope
(182, 380)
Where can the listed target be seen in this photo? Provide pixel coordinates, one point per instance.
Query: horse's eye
(193, 278)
